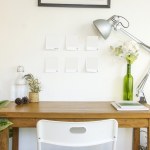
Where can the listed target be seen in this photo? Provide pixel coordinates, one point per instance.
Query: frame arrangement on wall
(75, 3)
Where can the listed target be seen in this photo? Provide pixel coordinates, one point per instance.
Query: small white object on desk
(129, 105)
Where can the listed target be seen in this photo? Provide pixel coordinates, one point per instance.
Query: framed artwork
(75, 3)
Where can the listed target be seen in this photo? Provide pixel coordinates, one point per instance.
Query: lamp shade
(104, 27)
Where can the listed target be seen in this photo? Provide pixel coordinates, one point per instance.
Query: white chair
(76, 134)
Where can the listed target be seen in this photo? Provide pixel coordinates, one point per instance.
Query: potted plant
(34, 86)
(128, 51)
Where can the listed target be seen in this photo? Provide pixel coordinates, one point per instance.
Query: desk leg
(148, 137)
(136, 138)
(15, 139)
(4, 139)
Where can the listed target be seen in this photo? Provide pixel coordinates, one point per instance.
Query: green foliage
(33, 83)
(117, 51)
(131, 58)
(4, 123)
(4, 103)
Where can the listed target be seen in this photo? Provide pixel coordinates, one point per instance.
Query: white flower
(129, 51)
(130, 47)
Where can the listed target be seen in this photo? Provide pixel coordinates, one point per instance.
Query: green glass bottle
(128, 85)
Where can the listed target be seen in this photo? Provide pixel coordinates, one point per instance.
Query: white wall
(23, 27)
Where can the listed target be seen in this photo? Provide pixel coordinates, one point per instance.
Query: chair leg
(114, 145)
(39, 146)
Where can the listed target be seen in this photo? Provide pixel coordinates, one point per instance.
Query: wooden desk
(27, 115)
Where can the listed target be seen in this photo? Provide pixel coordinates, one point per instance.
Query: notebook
(129, 105)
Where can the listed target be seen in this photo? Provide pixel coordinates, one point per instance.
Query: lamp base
(142, 100)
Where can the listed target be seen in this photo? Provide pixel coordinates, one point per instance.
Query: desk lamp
(115, 22)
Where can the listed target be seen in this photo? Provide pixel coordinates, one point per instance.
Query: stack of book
(129, 105)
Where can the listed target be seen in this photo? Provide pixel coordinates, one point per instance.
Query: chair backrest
(77, 134)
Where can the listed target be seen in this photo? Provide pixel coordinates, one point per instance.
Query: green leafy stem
(33, 83)
(4, 123)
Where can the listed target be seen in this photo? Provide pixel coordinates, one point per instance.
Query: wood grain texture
(15, 139)
(4, 139)
(27, 115)
(136, 137)
(123, 123)
(61, 109)
(148, 136)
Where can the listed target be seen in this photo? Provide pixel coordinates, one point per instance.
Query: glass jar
(20, 83)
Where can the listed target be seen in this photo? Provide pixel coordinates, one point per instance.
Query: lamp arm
(141, 85)
(135, 39)
(140, 88)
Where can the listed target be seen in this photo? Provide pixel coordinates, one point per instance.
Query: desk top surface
(68, 109)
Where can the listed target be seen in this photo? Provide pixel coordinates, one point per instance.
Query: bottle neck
(128, 68)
